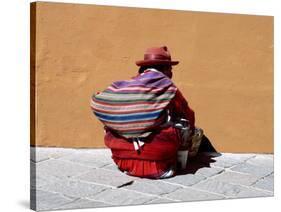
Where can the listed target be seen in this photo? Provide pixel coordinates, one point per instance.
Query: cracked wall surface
(225, 70)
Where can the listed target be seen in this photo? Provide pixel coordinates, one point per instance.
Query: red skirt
(155, 157)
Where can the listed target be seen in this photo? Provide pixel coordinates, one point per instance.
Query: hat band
(156, 57)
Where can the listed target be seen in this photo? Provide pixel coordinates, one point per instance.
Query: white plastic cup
(182, 158)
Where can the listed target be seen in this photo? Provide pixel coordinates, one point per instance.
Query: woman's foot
(170, 173)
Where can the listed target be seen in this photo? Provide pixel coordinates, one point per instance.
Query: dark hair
(157, 67)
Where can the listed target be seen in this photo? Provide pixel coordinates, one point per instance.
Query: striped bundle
(134, 108)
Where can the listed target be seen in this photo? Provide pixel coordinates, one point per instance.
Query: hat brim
(156, 62)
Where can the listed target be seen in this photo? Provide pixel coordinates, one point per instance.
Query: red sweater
(179, 108)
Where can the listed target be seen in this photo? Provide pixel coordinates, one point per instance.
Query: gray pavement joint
(58, 173)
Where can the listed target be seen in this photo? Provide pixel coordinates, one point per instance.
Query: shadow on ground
(201, 160)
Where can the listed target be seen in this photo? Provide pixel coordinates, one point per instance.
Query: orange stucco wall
(225, 70)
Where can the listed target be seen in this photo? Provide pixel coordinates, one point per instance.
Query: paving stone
(202, 164)
(39, 179)
(262, 160)
(227, 160)
(209, 172)
(74, 188)
(258, 171)
(161, 200)
(43, 180)
(38, 154)
(122, 197)
(189, 194)
(111, 167)
(73, 178)
(94, 159)
(152, 187)
(215, 186)
(43, 200)
(266, 183)
(32, 174)
(97, 151)
(236, 178)
(106, 177)
(250, 192)
(35, 157)
(83, 203)
(185, 180)
(58, 168)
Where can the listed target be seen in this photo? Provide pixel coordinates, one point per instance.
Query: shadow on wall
(201, 160)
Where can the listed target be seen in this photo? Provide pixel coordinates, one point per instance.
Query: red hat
(157, 56)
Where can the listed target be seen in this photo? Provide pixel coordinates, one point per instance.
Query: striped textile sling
(134, 108)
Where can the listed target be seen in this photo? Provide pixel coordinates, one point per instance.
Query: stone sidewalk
(85, 178)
